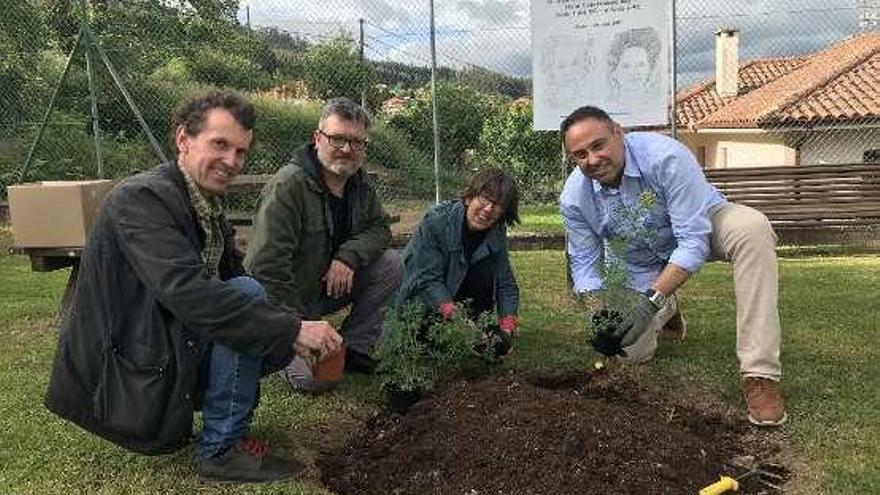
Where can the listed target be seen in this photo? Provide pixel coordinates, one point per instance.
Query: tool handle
(724, 485)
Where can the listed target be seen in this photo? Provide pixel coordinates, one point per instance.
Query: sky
(496, 34)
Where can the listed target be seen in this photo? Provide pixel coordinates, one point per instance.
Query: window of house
(871, 156)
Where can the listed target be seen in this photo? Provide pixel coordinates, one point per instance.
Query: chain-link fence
(797, 83)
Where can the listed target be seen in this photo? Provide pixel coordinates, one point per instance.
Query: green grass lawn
(831, 359)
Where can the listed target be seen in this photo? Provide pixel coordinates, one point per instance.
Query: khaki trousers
(743, 236)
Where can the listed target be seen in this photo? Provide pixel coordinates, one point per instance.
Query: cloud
(495, 34)
(495, 12)
(503, 50)
(766, 29)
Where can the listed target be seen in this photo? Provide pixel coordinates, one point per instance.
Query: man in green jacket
(459, 253)
(321, 240)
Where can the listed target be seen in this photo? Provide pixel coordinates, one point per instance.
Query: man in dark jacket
(458, 253)
(163, 318)
(321, 240)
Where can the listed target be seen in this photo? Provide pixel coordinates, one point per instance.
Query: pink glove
(447, 309)
(508, 324)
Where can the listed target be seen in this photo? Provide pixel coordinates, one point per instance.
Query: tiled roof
(841, 83)
(702, 100)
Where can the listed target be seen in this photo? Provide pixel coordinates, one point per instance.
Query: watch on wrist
(657, 298)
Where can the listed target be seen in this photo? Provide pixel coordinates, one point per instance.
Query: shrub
(334, 69)
(462, 113)
(534, 158)
(417, 348)
(227, 69)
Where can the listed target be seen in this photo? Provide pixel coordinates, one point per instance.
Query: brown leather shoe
(675, 328)
(764, 401)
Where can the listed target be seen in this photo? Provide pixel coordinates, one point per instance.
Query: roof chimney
(727, 62)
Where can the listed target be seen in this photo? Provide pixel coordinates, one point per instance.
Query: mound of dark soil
(563, 434)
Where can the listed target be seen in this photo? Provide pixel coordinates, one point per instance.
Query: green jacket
(290, 247)
(435, 266)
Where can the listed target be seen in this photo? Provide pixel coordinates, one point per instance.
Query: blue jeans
(233, 385)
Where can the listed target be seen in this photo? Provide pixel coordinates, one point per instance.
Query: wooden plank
(246, 181)
(815, 206)
(809, 215)
(805, 198)
(792, 171)
(823, 224)
(866, 195)
(800, 193)
(815, 177)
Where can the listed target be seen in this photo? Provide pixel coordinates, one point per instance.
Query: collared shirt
(208, 210)
(675, 228)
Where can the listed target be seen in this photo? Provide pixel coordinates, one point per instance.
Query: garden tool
(766, 474)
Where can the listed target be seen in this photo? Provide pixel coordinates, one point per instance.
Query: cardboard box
(55, 213)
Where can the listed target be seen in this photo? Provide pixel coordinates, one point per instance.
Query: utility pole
(247, 16)
(363, 68)
(434, 110)
(93, 96)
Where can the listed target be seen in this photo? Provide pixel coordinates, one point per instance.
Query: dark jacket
(435, 263)
(144, 312)
(291, 244)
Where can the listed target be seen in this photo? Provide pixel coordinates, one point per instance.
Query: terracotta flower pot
(330, 368)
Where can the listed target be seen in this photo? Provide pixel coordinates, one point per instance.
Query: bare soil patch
(544, 434)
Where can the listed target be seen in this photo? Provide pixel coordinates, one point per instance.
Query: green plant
(334, 69)
(402, 354)
(417, 349)
(618, 296)
(462, 112)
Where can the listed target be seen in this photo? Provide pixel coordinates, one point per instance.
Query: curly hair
(645, 38)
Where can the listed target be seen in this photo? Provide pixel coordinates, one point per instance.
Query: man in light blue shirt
(647, 192)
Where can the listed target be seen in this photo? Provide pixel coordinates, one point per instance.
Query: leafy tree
(334, 69)
(532, 157)
(492, 82)
(462, 113)
(22, 34)
(226, 10)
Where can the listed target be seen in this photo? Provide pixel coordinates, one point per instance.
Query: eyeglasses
(339, 142)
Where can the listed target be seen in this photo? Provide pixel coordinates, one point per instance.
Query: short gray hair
(347, 109)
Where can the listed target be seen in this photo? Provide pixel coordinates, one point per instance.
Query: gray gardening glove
(637, 322)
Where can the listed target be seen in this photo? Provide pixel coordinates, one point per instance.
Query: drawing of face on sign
(632, 64)
(567, 63)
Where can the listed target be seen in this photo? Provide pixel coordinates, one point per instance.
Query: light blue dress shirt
(676, 229)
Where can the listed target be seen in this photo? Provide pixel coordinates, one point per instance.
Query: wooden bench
(51, 259)
(809, 204)
(252, 184)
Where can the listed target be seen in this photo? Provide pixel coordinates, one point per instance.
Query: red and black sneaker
(248, 461)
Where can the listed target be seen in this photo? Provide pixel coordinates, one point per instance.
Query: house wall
(733, 150)
(839, 146)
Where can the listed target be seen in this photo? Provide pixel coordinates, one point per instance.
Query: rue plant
(617, 296)
(417, 349)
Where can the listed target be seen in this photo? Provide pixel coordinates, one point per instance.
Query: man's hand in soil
(638, 322)
(317, 338)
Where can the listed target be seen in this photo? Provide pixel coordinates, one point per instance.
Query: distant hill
(484, 80)
(289, 48)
